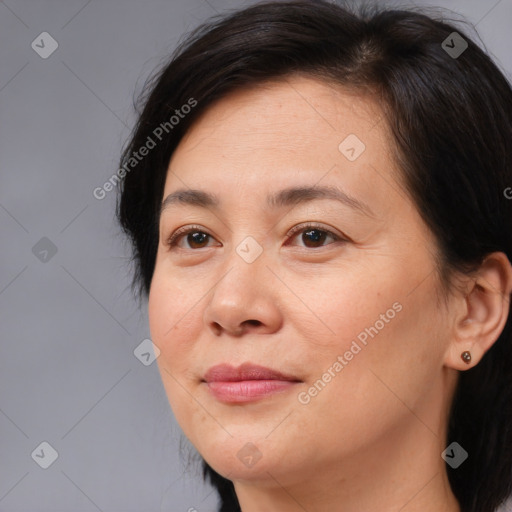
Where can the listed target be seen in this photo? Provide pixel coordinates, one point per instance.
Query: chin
(243, 457)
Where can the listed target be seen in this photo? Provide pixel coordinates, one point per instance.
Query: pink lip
(246, 383)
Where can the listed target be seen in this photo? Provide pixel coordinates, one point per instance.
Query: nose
(244, 299)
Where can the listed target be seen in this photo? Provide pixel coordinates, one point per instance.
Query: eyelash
(173, 240)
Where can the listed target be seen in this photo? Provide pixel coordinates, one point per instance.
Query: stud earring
(466, 356)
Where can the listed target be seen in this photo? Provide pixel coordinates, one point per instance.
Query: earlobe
(485, 310)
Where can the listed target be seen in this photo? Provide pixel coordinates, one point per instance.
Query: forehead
(296, 129)
(300, 110)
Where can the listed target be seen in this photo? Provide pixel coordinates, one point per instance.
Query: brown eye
(313, 236)
(194, 236)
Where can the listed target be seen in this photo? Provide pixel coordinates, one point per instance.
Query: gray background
(69, 325)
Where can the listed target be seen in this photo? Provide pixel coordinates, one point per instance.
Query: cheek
(332, 308)
(374, 387)
(173, 324)
(381, 345)
(173, 328)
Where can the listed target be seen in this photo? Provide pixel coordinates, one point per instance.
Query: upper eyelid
(312, 225)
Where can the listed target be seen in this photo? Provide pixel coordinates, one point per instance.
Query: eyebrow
(291, 196)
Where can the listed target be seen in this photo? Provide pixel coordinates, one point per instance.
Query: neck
(411, 479)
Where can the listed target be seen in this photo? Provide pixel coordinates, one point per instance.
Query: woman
(320, 223)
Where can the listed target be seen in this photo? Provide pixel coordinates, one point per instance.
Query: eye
(313, 235)
(195, 236)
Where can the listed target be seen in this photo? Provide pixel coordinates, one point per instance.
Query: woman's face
(345, 308)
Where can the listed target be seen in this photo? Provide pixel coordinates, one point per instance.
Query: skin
(372, 438)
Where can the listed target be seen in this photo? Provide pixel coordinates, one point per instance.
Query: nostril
(217, 329)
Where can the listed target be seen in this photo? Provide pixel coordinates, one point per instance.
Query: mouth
(246, 383)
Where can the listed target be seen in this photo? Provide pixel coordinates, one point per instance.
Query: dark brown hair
(451, 121)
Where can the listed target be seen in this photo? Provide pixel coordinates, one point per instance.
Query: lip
(246, 383)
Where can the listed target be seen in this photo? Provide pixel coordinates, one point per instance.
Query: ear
(483, 312)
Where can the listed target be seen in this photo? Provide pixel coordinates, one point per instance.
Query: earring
(466, 356)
